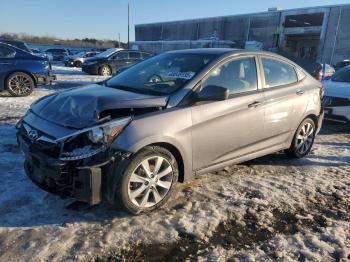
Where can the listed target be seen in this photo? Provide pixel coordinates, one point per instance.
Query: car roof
(225, 51)
(16, 43)
(10, 46)
(5, 40)
(131, 50)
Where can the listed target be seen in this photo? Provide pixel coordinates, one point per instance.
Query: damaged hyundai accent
(130, 139)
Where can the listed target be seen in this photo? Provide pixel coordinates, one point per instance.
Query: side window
(278, 73)
(121, 56)
(134, 55)
(6, 52)
(238, 76)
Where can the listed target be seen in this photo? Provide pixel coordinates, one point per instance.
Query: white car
(336, 100)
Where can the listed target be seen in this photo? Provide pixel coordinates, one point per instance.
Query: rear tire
(147, 182)
(19, 84)
(303, 139)
(105, 70)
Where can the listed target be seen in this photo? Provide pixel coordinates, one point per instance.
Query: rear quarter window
(6, 52)
(278, 73)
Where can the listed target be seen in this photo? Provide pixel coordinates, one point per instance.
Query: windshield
(107, 53)
(343, 75)
(162, 74)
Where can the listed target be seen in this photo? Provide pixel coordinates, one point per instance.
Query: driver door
(119, 60)
(224, 130)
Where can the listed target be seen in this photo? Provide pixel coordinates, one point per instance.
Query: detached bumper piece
(45, 78)
(82, 183)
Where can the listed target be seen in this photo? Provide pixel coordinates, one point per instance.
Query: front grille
(331, 101)
(47, 148)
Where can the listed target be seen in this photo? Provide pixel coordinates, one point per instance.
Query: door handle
(300, 92)
(255, 104)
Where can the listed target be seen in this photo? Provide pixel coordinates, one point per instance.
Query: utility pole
(128, 25)
(119, 40)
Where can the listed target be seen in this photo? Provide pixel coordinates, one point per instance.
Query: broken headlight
(91, 141)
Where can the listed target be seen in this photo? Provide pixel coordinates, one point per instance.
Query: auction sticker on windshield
(182, 75)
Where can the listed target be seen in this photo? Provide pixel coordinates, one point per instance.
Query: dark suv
(110, 61)
(21, 71)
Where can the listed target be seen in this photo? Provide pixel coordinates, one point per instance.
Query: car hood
(82, 107)
(338, 89)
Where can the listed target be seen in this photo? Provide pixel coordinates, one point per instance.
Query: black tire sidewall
(78, 64)
(122, 200)
(23, 74)
(293, 149)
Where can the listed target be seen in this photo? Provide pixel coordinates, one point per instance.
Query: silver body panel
(215, 134)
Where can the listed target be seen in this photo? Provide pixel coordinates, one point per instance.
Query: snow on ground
(272, 208)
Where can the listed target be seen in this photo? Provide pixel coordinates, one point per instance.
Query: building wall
(258, 27)
(337, 40)
(263, 27)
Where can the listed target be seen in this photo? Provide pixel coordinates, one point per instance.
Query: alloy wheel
(150, 182)
(105, 71)
(20, 85)
(305, 138)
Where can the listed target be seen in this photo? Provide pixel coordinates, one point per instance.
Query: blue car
(21, 71)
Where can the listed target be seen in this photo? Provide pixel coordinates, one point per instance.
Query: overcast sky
(104, 19)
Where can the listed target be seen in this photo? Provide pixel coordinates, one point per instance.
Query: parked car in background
(108, 62)
(21, 71)
(16, 43)
(336, 99)
(342, 64)
(77, 60)
(130, 139)
(318, 72)
(40, 53)
(58, 54)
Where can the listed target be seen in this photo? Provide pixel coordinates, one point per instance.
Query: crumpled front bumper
(81, 180)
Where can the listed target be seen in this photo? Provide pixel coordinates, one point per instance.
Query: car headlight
(96, 135)
(91, 141)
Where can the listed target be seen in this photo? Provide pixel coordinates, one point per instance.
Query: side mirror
(212, 93)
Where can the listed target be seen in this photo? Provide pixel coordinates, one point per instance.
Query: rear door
(134, 57)
(285, 99)
(224, 130)
(7, 63)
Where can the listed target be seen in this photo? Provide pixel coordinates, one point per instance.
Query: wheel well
(20, 71)
(314, 118)
(176, 153)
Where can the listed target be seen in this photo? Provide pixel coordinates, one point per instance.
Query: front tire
(303, 139)
(19, 84)
(148, 181)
